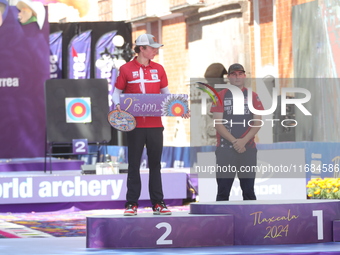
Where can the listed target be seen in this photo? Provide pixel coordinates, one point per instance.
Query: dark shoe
(161, 209)
(130, 210)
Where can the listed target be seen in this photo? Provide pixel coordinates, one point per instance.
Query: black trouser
(152, 138)
(232, 160)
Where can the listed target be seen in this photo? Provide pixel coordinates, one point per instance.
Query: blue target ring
(78, 109)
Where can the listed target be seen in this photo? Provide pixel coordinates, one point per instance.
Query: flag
(56, 41)
(79, 56)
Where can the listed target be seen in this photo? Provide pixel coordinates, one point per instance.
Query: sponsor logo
(135, 74)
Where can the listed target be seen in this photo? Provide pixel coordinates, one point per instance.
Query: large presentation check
(155, 104)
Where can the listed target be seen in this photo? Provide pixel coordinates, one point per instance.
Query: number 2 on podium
(167, 232)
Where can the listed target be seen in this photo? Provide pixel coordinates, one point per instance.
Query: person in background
(30, 11)
(3, 11)
(142, 75)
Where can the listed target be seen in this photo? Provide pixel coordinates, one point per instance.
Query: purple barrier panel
(277, 222)
(159, 231)
(171, 105)
(336, 231)
(74, 188)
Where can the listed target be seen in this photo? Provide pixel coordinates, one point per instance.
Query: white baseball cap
(147, 39)
(38, 9)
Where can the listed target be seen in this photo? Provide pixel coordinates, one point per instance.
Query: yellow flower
(328, 188)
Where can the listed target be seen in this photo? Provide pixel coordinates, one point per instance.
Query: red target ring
(177, 109)
(78, 110)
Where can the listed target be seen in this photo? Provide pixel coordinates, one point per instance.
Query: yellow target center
(177, 110)
(78, 110)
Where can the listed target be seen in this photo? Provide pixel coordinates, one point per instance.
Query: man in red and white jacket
(143, 76)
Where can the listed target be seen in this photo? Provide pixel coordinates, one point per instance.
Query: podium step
(146, 230)
(336, 231)
(279, 222)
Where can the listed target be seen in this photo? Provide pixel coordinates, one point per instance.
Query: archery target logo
(78, 110)
(174, 105)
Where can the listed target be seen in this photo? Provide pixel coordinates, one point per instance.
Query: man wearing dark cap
(236, 149)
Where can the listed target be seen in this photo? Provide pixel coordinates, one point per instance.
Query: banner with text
(24, 68)
(53, 189)
(79, 56)
(105, 65)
